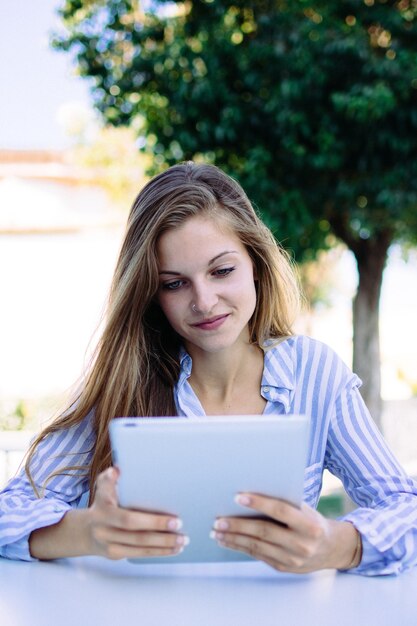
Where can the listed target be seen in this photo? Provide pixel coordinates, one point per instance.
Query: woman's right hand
(118, 533)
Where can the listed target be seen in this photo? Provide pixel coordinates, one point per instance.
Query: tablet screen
(194, 467)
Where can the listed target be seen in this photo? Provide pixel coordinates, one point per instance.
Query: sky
(35, 80)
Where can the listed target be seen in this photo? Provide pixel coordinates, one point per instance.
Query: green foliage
(117, 165)
(27, 413)
(332, 505)
(15, 418)
(312, 105)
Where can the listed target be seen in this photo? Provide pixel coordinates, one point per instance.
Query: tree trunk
(371, 257)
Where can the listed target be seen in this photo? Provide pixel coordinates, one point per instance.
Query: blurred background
(100, 96)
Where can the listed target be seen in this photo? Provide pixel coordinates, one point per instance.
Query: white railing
(13, 446)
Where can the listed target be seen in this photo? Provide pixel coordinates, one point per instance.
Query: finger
(264, 529)
(268, 531)
(128, 519)
(106, 493)
(250, 545)
(280, 567)
(279, 557)
(141, 539)
(119, 551)
(303, 520)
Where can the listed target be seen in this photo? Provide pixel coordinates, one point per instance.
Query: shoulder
(310, 358)
(76, 438)
(298, 346)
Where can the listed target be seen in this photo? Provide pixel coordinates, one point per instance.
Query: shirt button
(266, 389)
(372, 533)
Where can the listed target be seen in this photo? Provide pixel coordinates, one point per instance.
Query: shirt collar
(186, 364)
(278, 378)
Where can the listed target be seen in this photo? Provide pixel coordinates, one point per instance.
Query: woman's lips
(212, 323)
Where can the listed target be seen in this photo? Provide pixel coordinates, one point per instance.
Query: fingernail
(183, 540)
(221, 524)
(174, 524)
(216, 536)
(241, 499)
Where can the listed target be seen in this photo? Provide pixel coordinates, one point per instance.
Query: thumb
(106, 492)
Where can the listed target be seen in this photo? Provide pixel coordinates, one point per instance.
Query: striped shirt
(300, 376)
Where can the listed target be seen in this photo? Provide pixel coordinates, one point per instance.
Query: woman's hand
(118, 533)
(292, 540)
(105, 529)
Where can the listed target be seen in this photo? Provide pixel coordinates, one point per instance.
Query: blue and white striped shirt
(300, 375)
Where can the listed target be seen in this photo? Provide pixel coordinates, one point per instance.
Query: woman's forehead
(198, 238)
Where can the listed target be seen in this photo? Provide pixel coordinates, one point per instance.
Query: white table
(93, 591)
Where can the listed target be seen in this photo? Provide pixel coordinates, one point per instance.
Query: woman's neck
(229, 381)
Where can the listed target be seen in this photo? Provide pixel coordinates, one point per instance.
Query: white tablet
(194, 467)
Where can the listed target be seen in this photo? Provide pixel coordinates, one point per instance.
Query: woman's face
(206, 285)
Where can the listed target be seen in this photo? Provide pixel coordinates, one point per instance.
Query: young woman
(199, 322)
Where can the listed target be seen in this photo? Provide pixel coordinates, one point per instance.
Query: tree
(112, 156)
(312, 105)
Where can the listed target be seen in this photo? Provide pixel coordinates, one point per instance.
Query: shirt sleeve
(59, 470)
(386, 516)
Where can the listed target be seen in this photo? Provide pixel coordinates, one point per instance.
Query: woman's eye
(224, 271)
(173, 285)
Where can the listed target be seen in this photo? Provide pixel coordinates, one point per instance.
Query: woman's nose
(205, 299)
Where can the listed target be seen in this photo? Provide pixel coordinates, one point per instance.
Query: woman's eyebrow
(213, 260)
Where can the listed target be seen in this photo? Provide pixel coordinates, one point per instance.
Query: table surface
(91, 590)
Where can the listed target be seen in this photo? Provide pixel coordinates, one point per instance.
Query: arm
(379, 537)
(291, 540)
(105, 529)
(22, 511)
(346, 441)
(386, 515)
(52, 526)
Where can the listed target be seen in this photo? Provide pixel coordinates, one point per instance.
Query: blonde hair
(136, 366)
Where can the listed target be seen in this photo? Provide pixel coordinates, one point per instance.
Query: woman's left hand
(291, 540)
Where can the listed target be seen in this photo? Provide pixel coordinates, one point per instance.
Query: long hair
(135, 365)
